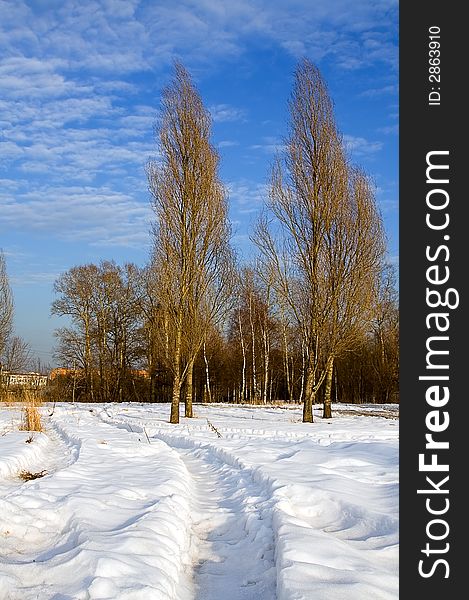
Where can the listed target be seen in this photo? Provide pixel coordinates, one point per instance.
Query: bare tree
(312, 242)
(75, 289)
(252, 327)
(353, 261)
(16, 355)
(6, 305)
(386, 337)
(104, 342)
(191, 234)
(6, 313)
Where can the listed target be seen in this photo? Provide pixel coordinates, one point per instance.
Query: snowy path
(233, 541)
(47, 452)
(234, 533)
(310, 482)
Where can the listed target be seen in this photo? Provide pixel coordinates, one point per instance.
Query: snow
(237, 503)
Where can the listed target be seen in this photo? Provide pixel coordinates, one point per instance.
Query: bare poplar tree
(352, 268)
(6, 314)
(191, 234)
(318, 205)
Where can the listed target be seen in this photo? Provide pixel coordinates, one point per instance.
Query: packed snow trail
(235, 559)
(48, 452)
(233, 542)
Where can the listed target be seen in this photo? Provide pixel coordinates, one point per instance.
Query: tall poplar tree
(322, 236)
(192, 254)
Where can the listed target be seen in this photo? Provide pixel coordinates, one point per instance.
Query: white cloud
(68, 69)
(246, 196)
(224, 112)
(99, 216)
(35, 278)
(359, 146)
(269, 145)
(104, 36)
(381, 91)
(389, 206)
(227, 144)
(391, 129)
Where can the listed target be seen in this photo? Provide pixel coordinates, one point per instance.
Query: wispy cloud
(269, 145)
(98, 216)
(246, 196)
(381, 91)
(227, 144)
(35, 278)
(224, 112)
(389, 206)
(359, 146)
(389, 130)
(104, 36)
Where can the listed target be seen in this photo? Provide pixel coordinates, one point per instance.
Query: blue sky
(80, 86)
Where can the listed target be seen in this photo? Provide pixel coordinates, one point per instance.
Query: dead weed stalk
(31, 415)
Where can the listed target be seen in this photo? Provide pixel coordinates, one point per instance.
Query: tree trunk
(207, 377)
(243, 349)
(255, 393)
(309, 397)
(189, 390)
(327, 410)
(266, 365)
(176, 396)
(174, 418)
(286, 359)
(303, 369)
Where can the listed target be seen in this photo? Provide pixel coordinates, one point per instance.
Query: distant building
(31, 380)
(63, 372)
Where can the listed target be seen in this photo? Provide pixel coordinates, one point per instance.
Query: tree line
(313, 318)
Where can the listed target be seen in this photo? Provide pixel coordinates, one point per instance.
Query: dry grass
(28, 476)
(31, 415)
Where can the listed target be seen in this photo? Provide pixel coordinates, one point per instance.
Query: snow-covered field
(238, 503)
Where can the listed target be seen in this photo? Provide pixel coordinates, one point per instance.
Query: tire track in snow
(232, 525)
(52, 452)
(233, 541)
